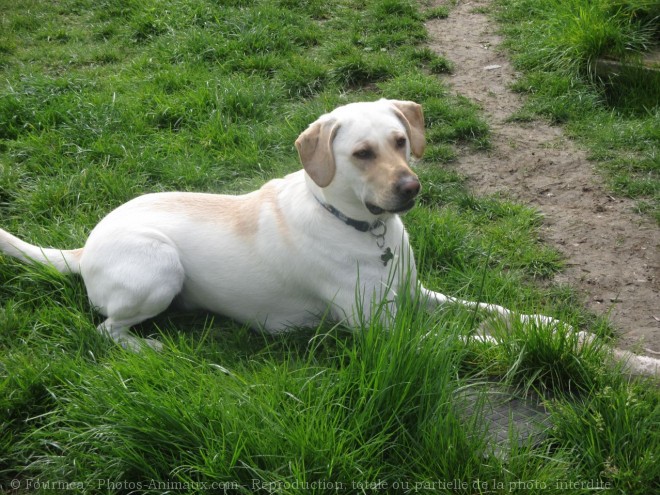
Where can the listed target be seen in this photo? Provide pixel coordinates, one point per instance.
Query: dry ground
(611, 253)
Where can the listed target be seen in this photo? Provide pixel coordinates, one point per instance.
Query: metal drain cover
(503, 416)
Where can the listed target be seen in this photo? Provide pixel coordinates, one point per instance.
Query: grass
(555, 44)
(103, 101)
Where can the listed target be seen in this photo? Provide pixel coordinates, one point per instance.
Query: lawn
(101, 101)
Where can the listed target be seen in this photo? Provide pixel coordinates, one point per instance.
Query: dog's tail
(64, 261)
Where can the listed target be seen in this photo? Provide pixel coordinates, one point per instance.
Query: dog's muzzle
(406, 190)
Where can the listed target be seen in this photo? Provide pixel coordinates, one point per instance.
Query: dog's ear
(315, 149)
(410, 113)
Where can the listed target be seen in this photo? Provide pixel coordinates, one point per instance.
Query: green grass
(103, 101)
(577, 32)
(555, 45)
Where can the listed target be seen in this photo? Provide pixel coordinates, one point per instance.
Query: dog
(302, 248)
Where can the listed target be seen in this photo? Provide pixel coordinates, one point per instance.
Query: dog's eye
(401, 142)
(364, 154)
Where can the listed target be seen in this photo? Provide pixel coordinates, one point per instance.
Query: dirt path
(611, 253)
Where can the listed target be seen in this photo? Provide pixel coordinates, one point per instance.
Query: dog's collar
(360, 225)
(378, 229)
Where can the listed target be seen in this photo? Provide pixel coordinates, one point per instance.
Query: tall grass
(576, 32)
(102, 101)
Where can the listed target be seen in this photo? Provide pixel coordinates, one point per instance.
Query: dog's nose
(408, 187)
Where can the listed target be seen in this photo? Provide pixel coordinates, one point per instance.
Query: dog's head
(358, 155)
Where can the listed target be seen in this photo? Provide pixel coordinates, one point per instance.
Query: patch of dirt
(611, 253)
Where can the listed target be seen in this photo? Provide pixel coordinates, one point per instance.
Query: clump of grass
(546, 357)
(438, 12)
(619, 416)
(575, 33)
(358, 68)
(435, 63)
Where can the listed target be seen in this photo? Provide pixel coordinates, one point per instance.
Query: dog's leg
(435, 299)
(129, 281)
(119, 332)
(632, 363)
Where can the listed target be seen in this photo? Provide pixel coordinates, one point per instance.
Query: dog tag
(387, 256)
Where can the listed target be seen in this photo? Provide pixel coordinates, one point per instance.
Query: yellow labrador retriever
(283, 256)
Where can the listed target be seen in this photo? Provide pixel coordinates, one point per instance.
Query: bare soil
(611, 252)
